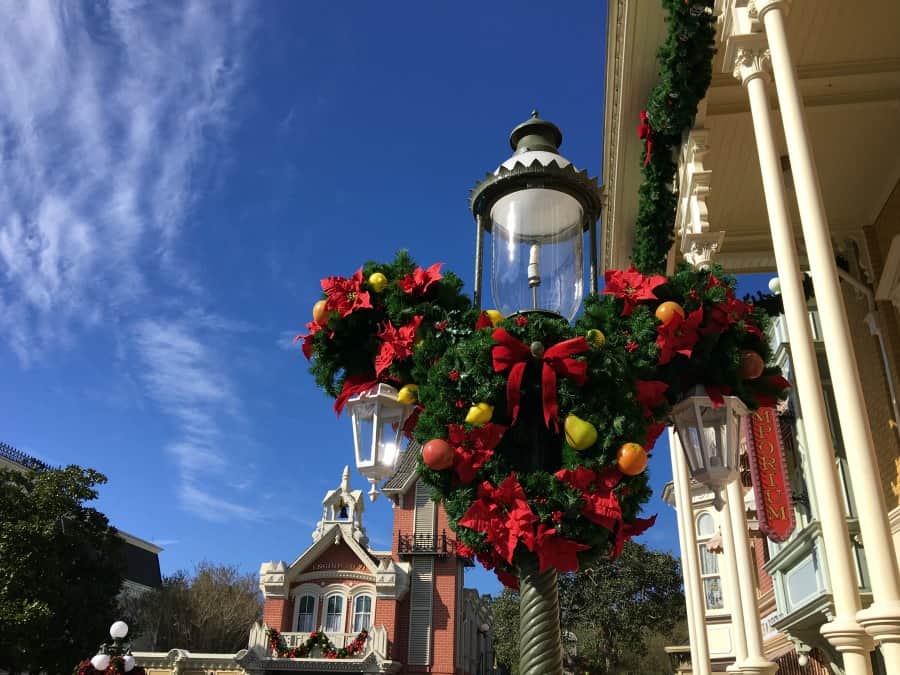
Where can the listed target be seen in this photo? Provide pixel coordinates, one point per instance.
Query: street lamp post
(537, 208)
(116, 653)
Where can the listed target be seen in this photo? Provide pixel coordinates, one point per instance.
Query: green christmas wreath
(535, 431)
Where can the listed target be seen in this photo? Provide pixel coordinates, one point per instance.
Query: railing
(337, 639)
(424, 544)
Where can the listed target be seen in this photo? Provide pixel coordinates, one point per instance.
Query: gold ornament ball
(495, 316)
(667, 310)
(480, 414)
(408, 394)
(596, 338)
(320, 313)
(377, 282)
(580, 434)
(631, 459)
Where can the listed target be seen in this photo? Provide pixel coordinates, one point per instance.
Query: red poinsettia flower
(345, 296)
(420, 280)
(484, 321)
(650, 395)
(601, 505)
(724, 314)
(464, 551)
(502, 513)
(473, 448)
(508, 579)
(556, 551)
(678, 335)
(631, 286)
(627, 531)
(717, 394)
(773, 383)
(521, 320)
(307, 345)
(654, 431)
(396, 344)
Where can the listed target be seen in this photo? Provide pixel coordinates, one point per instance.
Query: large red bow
(514, 354)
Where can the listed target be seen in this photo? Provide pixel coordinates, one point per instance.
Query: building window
(334, 616)
(306, 614)
(709, 564)
(362, 613)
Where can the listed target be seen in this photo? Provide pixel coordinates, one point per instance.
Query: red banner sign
(768, 470)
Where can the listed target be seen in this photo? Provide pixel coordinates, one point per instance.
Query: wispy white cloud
(113, 115)
(286, 341)
(183, 374)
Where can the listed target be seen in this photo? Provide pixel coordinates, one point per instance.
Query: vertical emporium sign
(768, 470)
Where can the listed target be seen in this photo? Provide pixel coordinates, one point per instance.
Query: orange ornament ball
(669, 309)
(437, 454)
(631, 459)
(752, 365)
(320, 313)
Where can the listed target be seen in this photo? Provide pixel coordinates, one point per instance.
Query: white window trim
(353, 599)
(702, 540)
(299, 592)
(342, 594)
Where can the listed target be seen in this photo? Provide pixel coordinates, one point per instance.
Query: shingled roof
(406, 472)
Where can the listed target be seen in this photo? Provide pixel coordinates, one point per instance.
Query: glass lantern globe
(537, 256)
(537, 208)
(378, 419)
(100, 661)
(118, 630)
(710, 437)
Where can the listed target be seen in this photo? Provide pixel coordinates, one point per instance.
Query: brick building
(410, 600)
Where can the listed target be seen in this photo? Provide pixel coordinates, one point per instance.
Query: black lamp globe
(537, 207)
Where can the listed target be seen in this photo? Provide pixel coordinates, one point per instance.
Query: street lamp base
(540, 646)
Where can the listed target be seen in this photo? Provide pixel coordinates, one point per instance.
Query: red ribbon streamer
(510, 353)
(354, 384)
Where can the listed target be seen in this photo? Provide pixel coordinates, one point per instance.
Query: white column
(843, 632)
(693, 586)
(688, 586)
(882, 619)
(755, 662)
(733, 594)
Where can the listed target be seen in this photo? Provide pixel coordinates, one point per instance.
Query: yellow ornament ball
(480, 414)
(580, 434)
(631, 459)
(377, 282)
(596, 338)
(669, 309)
(495, 316)
(408, 394)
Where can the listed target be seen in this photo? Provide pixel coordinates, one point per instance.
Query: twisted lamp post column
(538, 209)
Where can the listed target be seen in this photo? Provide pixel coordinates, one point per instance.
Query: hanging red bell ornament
(752, 365)
(437, 454)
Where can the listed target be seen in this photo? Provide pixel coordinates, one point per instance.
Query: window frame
(305, 593)
(702, 549)
(371, 612)
(343, 614)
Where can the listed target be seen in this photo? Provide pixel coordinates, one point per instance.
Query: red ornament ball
(437, 454)
(752, 365)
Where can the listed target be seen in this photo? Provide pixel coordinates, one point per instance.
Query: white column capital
(699, 248)
(750, 63)
(757, 8)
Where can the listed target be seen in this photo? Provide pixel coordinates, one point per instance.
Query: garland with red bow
(488, 388)
(317, 639)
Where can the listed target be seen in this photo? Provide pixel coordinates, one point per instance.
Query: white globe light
(129, 662)
(803, 660)
(100, 661)
(775, 285)
(118, 630)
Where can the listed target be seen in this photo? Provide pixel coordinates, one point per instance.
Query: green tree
(211, 611)
(61, 568)
(620, 613)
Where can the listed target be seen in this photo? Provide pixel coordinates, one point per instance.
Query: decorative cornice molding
(342, 575)
(700, 248)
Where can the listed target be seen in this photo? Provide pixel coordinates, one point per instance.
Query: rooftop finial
(534, 113)
(345, 479)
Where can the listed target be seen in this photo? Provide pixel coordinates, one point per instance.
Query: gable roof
(311, 554)
(407, 470)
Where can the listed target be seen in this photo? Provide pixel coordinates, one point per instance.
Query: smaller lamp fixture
(102, 659)
(709, 435)
(378, 418)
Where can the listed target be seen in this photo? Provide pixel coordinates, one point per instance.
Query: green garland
(575, 501)
(685, 71)
(316, 639)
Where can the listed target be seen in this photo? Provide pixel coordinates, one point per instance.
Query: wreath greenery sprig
(316, 639)
(552, 483)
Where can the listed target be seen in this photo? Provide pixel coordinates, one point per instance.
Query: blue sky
(177, 177)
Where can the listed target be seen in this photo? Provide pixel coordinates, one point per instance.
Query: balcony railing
(424, 544)
(339, 640)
